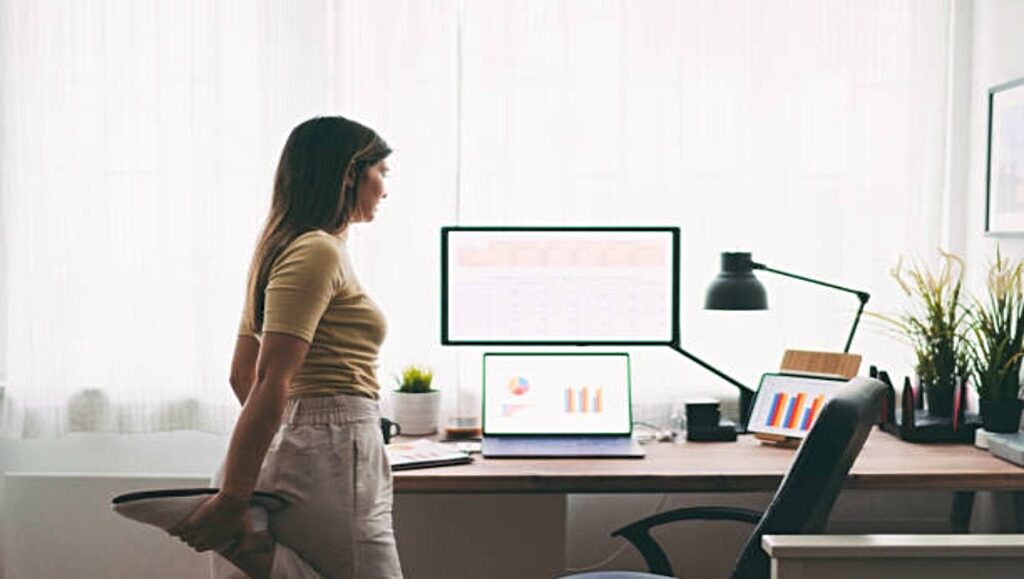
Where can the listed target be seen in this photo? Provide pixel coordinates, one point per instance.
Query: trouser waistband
(331, 409)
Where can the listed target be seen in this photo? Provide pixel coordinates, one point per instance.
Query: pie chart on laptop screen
(519, 386)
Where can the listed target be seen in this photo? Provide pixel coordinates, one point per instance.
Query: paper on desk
(423, 453)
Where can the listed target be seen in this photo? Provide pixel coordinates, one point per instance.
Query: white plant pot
(417, 413)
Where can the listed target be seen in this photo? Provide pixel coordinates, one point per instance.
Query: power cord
(618, 551)
(654, 434)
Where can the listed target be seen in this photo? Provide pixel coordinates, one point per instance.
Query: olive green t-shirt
(313, 294)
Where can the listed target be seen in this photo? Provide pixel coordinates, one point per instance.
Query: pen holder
(908, 419)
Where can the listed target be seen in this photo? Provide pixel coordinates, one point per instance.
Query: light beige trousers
(328, 462)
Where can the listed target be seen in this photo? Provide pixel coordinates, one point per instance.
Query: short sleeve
(302, 282)
(245, 328)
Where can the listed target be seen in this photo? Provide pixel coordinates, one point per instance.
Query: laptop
(558, 406)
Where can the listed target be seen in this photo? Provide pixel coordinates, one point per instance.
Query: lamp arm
(863, 300)
(746, 393)
(864, 296)
(861, 295)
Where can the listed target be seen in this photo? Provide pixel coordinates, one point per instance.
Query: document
(423, 453)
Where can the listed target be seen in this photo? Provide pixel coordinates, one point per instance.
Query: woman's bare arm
(220, 519)
(280, 356)
(243, 367)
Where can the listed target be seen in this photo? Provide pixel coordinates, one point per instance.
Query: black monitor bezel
(446, 340)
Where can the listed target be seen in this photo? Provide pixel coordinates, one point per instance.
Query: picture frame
(1004, 167)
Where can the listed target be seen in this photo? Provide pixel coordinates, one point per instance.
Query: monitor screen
(582, 285)
(788, 404)
(556, 394)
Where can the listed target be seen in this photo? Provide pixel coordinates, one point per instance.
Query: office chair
(801, 505)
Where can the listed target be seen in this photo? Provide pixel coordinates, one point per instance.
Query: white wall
(69, 519)
(997, 57)
(62, 526)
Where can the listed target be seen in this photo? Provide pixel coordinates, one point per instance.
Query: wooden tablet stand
(828, 363)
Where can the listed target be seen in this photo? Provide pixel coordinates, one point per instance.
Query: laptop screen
(788, 404)
(556, 394)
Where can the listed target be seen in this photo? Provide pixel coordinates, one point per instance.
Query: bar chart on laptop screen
(559, 286)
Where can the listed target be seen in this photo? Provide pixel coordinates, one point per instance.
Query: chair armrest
(976, 547)
(639, 535)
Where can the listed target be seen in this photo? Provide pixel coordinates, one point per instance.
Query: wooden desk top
(747, 465)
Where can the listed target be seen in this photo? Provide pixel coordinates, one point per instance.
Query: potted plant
(416, 404)
(936, 324)
(997, 325)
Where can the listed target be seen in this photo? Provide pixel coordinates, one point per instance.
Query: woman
(303, 368)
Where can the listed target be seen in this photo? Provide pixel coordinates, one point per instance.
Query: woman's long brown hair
(314, 188)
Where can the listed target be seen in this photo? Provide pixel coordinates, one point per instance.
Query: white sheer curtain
(139, 139)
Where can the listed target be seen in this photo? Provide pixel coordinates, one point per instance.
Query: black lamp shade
(736, 288)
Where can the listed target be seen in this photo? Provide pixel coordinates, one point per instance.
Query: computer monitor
(559, 285)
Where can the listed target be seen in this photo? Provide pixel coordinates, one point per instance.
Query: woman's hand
(216, 524)
(222, 522)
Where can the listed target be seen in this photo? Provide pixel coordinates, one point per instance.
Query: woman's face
(370, 190)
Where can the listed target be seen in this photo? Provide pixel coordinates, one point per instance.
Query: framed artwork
(1004, 182)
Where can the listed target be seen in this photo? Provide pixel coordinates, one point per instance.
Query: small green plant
(998, 328)
(936, 324)
(415, 379)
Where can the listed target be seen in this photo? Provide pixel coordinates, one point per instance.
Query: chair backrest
(805, 498)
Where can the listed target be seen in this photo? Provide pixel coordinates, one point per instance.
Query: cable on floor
(618, 551)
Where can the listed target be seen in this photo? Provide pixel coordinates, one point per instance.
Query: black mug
(389, 429)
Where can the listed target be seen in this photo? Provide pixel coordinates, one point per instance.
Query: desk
(478, 510)
(886, 462)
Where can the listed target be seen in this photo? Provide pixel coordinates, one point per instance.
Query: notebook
(557, 405)
(423, 453)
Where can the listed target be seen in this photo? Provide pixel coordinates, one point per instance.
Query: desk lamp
(736, 288)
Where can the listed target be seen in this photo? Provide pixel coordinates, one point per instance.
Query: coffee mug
(389, 429)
